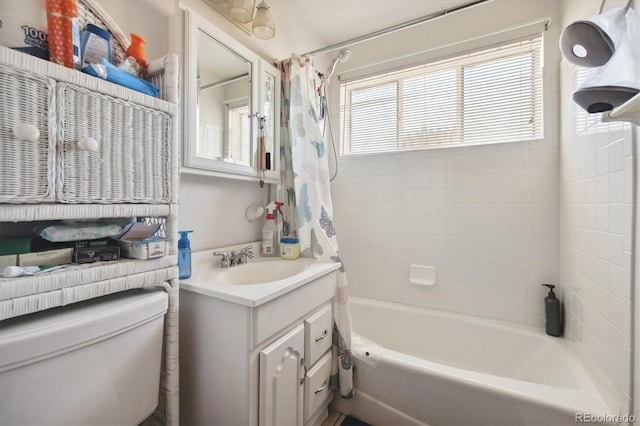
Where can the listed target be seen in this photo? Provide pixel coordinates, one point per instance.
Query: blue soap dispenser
(184, 255)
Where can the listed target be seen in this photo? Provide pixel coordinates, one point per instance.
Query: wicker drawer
(26, 166)
(130, 163)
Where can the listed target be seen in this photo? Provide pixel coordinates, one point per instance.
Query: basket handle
(26, 132)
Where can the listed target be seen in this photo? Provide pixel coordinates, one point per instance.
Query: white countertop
(205, 278)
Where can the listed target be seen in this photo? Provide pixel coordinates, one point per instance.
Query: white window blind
(488, 96)
(239, 128)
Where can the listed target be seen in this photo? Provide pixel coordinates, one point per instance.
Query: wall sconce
(252, 19)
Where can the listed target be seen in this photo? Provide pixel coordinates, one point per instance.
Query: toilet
(95, 362)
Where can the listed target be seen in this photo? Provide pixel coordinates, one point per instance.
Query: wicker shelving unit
(133, 174)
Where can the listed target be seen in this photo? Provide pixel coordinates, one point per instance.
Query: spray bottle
(270, 231)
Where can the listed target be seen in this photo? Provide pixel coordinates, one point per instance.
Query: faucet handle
(248, 252)
(225, 260)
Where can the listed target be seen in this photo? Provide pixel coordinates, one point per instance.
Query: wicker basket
(90, 12)
(132, 163)
(26, 167)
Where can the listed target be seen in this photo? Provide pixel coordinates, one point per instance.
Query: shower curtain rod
(395, 28)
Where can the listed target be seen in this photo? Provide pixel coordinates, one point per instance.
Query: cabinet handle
(322, 387)
(304, 367)
(88, 144)
(26, 132)
(324, 334)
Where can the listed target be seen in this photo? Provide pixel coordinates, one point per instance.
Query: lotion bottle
(553, 323)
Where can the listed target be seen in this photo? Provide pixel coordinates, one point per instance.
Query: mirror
(223, 106)
(220, 102)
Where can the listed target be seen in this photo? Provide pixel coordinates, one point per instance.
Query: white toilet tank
(90, 363)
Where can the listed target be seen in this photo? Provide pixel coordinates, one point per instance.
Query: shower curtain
(308, 210)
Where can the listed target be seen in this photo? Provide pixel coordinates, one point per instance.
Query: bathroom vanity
(256, 352)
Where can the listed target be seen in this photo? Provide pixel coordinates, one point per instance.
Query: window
(482, 97)
(238, 127)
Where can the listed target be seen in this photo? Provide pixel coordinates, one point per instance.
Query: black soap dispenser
(553, 324)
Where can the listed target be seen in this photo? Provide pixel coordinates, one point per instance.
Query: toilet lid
(34, 337)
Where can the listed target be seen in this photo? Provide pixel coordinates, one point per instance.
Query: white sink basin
(261, 272)
(260, 280)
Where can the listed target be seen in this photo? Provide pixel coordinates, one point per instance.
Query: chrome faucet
(232, 259)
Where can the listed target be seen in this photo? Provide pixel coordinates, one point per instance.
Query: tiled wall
(596, 227)
(487, 217)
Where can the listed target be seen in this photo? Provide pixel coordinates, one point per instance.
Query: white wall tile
(486, 217)
(595, 249)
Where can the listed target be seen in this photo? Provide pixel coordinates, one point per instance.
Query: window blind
(239, 134)
(482, 97)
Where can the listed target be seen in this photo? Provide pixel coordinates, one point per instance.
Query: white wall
(597, 162)
(486, 217)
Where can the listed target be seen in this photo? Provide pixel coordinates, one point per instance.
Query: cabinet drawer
(27, 158)
(130, 163)
(318, 334)
(316, 385)
(275, 315)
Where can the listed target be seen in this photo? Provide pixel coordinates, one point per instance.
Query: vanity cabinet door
(282, 380)
(27, 137)
(111, 150)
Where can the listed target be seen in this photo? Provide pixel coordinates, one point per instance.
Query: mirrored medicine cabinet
(231, 100)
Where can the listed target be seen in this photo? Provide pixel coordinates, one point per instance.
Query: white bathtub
(437, 368)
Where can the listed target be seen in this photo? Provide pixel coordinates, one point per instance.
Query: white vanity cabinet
(263, 363)
(294, 381)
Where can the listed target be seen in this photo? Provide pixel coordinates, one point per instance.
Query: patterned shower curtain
(308, 210)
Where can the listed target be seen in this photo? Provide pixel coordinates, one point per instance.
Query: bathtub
(419, 366)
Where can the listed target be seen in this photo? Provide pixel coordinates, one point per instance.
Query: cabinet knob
(26, 132)
(88, 144)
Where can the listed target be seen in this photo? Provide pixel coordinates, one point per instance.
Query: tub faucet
(232, 259)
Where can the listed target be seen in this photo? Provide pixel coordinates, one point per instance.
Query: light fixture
(241, 13)
(263, 25)
(241, 10)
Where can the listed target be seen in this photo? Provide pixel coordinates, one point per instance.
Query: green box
(15, 245)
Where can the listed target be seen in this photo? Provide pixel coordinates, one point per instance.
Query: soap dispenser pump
(553, 323)
(184, 255)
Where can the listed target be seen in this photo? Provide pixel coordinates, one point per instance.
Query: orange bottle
(60, 14)
(136, 50)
